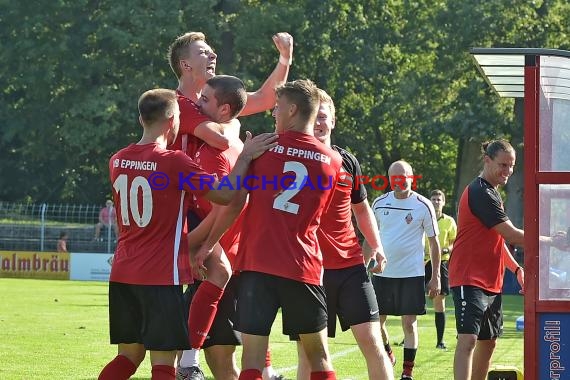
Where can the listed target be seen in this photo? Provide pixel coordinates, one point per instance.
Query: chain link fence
(38, 226)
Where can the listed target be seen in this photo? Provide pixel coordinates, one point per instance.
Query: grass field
(59, 330)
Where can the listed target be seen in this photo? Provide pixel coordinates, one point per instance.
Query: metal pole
(42, 226)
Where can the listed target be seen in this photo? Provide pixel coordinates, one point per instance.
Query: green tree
(399, 71)
(70, 88)
(473, 113)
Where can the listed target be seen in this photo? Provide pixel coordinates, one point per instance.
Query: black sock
(410, 355)
(388, 348)
(440, 326)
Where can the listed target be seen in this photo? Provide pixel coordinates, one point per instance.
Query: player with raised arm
(151, 259)
(193, 62)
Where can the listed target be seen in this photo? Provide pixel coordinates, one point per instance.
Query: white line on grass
(333, 356)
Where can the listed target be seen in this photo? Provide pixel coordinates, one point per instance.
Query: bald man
(403, 217)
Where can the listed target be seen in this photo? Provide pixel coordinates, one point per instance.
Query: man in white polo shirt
(403, 217)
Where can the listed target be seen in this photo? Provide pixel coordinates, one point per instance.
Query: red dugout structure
(542, 78)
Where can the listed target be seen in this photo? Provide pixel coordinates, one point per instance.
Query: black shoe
(441, 346)
(189, 373)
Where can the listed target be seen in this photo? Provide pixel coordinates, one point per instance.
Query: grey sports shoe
(189, 373)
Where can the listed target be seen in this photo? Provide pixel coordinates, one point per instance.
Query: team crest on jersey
(409, 218)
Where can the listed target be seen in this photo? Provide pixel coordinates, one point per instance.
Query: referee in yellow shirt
(447, 234)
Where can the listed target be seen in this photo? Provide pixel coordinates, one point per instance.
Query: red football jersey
(477, 256)
(289, 188)
(336, 234)
(220, 163)
(190, 118)
(152, 247)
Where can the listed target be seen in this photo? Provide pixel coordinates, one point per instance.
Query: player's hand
(380, 262)
(520, 279)
(284, 43)
(197, 257)
(560, 241)
(434, 287)
(254, 147)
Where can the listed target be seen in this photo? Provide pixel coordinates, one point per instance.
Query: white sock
(268, 373)
(190, 358)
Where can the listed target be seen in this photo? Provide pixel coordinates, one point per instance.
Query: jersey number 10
(129, 200)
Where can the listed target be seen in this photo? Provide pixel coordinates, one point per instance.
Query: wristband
(517, 270)
(285, 61)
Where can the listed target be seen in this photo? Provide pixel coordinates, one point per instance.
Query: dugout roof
(503, 69)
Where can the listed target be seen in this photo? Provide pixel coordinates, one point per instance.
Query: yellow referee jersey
(447, 235)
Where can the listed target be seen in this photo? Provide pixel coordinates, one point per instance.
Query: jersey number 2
(282, 201)
(129, 200)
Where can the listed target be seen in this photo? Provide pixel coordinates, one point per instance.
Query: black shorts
(350, 296)
(222, 331)
(478, 312)
(152, 315)
(444, 276)
(400, 296)
(303, 306)
(192, 219)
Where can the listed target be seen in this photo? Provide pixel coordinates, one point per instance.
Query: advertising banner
(41, 265)
(91, 266)
(554, 346)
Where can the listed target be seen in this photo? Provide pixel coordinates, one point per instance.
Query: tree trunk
(468, 165)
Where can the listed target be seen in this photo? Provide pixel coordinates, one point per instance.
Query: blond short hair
(179, 49)
(325, 98)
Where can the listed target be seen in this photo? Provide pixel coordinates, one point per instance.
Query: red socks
(118, 369)
(323, 375)
(122, 368)
(163, 372)
(250, 374)
(202, 312)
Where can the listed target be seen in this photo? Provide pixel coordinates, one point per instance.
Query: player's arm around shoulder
(212, 133)
(253, 148)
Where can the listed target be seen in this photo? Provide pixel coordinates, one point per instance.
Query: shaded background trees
(399, 72)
